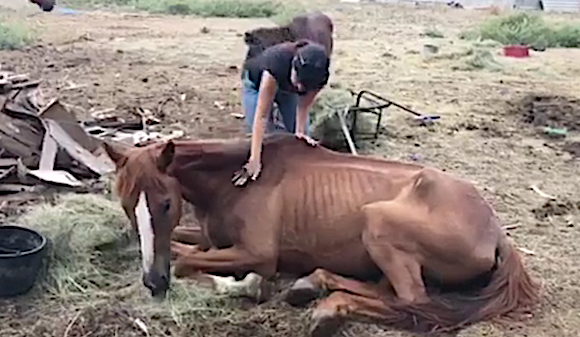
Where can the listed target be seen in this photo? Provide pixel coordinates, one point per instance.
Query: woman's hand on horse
(307, 139)
(251, 170)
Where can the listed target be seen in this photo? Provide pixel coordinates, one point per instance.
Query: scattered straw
(92, 286)
(325, 121)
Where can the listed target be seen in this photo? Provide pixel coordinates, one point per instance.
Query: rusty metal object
(377, 106)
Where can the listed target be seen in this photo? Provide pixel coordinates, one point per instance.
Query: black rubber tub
(22, 252)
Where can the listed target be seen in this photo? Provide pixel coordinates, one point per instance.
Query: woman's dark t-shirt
(277, 60)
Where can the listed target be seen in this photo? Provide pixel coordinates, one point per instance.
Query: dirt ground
(490, 131)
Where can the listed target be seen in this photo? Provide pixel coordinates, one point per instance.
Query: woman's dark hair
(312, 65)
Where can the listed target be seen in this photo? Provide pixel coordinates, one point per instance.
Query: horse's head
(254, 44)
(46, 5)
(259, 39)
(151, 199)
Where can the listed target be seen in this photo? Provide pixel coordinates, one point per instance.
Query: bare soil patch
(551, 111)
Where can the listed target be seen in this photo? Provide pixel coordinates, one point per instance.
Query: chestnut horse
(46, 5)
(410, 246)
(315, 26)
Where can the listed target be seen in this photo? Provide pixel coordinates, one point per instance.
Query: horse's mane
(223, 154)
(140, 167)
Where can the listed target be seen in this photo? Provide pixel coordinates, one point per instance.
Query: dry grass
(14, 34)
(92, 283)
(528, 29)
(325, 123)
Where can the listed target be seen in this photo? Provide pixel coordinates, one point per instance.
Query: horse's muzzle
(47, 7)
(157, 284)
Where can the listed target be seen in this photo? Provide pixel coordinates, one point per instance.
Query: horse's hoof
(325, 323)
(260, 290)
(302, 292)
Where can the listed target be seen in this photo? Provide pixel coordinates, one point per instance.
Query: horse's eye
(166, 205)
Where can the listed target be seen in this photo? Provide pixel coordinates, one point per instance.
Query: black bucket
(22, 253)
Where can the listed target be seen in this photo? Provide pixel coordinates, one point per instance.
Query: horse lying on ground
(46, 5)
(390, 241)
(315, 26)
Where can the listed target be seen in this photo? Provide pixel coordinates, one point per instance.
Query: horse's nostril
(157, 284)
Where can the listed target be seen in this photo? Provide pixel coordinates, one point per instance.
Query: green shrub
(526, 29)
(204, 8)
(14, 35)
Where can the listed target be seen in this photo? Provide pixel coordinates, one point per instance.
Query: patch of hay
(92, 286)
(325, 123)
(478, 59)
(80, 228)
(94, 273)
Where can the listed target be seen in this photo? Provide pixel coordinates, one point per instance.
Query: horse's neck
(206, 177)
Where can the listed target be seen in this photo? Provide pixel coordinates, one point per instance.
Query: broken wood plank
(119, 125)
(48, 154)
(76, 151)
(70, 124)
(17, 188)
(56, 177)
(7, 162)
(21, 138)
(6, 173)
(24, 101)
(21, 197)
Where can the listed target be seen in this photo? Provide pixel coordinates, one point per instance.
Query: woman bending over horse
(291, 74)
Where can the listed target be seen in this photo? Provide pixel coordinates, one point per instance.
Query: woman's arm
(252, 168)
(268, 87)
(304, 105)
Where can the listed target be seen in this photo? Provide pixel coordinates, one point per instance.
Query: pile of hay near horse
(91, 285)
(325, 123)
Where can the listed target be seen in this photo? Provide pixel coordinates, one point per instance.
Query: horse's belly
(348, 262)
(335, 246)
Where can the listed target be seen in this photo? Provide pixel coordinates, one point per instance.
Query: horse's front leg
(234, 260)
(192, 236)
(196, 264)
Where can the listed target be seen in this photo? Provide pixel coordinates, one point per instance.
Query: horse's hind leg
(322, 281)
(332, 311)
(391, 246)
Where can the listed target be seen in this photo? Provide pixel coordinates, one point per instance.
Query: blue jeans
(287, 103)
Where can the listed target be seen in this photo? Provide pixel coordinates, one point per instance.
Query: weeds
(14, 35)
(433, 33)
(204, 8)
(527, 29)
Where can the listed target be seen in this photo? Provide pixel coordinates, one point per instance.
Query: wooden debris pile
(43, 147)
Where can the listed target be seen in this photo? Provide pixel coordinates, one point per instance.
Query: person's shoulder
(285, 48)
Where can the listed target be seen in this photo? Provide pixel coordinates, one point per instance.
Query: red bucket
(516, 51)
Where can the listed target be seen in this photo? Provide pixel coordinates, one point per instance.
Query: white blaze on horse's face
(146, 235)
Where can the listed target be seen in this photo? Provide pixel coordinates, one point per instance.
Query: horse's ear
(116, 154)
(249, 38)
(166, 157)
(302, 43)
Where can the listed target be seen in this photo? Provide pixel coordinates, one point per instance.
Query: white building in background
(546, 5)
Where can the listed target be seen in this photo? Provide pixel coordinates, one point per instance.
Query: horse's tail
(509, 290)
